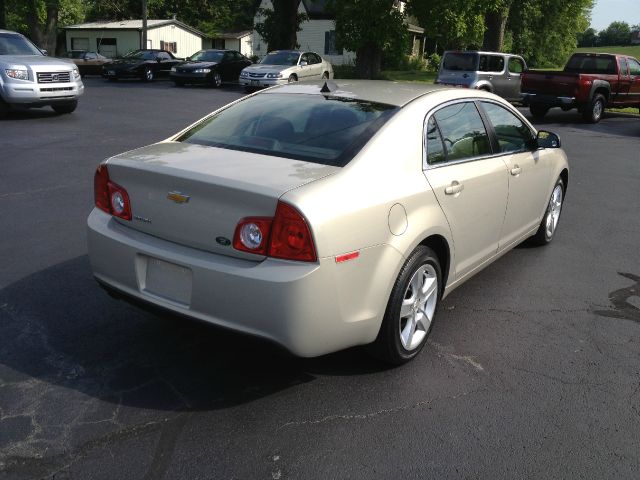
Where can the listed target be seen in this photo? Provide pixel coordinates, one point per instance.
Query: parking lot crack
(371, 415)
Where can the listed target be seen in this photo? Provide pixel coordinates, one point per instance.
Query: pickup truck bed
(589, 82)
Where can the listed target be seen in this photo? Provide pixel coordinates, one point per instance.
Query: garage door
(79, 43)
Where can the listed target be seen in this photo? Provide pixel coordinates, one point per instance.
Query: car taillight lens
(110, 197)
(290, 236)
(286, 236)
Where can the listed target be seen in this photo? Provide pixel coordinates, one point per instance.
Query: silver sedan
(285, 66)
(326, 216)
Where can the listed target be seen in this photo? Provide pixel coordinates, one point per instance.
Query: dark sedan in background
(210, 67)
(143, 64)
(88, 63)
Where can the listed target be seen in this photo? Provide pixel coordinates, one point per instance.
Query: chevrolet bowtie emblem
(178, 197)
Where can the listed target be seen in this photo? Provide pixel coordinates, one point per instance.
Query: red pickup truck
(589, 82)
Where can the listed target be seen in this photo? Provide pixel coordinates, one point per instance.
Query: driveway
(532, 369)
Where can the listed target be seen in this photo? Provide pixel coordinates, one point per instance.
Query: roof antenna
(329, 87)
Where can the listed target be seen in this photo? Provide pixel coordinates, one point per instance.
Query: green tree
(588, 38)
(617, 33)
(367, 27)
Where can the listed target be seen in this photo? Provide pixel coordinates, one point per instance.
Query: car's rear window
(315, 128)
(591, 64)
(460, 61)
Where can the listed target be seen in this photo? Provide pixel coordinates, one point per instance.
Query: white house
(117, 38)
(318, 34)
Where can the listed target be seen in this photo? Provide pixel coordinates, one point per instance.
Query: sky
(607, 11)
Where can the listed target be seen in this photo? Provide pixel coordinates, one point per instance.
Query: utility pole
(144, 24)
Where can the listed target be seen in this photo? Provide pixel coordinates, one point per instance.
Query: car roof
(380, 91)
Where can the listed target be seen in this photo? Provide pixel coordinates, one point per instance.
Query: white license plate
(111, 72)
(168, 280)
(255, 83)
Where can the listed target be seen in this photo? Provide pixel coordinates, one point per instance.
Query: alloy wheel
(418, 307)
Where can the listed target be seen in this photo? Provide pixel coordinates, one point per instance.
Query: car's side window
(624, 69)
(90, 56)
(435, 147)
(634, 67)
(491, 63)
(511, 132)
(316, 58)
(515, 65)
(463, 133)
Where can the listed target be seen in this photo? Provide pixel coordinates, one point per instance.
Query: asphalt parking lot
(532, 369)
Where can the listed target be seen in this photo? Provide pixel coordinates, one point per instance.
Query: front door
(529, 172)
(470, 184)
(634, 87)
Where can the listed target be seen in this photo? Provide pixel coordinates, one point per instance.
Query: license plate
(111, 73)
(255, 83)
(168, 280)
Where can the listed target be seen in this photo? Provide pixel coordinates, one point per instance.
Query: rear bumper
(309, 308)
(548, 100)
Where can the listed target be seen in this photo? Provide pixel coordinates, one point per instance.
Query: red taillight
(110, 197)
(286, 236)
(290, 236)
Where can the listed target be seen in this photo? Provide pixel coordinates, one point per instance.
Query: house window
(169, 46)
(331, 46)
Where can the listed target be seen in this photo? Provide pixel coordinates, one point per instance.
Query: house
(318, 34)
(635, 37)
(117, 38)
(240, 41)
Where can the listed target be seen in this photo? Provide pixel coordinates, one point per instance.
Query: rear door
(470, 184)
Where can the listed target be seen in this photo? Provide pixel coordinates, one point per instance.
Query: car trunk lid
(195, 195)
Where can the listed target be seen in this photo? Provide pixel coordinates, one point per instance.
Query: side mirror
(303, 63)
(158, 59)
(546, 139)
(44, 52)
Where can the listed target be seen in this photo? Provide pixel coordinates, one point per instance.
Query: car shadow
(66, 331)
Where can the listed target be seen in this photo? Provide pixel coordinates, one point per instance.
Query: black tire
(594, 112)
(538, 111)
(4, 108)
(388, 346)
(147, 75)
(292, 78)
(216, 80)
(66, 107)
(542, 235)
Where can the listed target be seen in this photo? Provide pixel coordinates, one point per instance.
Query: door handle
(516, 170)
(453, 189)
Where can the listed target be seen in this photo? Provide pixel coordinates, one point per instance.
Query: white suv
(28, 78)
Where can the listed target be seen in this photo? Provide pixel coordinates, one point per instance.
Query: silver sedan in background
(326, 216)
(285, 66)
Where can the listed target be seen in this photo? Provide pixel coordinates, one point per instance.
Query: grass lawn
(631, 50)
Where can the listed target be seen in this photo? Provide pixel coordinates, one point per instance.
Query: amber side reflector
(347, 256)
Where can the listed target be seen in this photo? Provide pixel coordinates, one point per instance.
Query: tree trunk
(44, 36)
(3, 14)
(368, 61)
(285, 13)
(495, 22)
